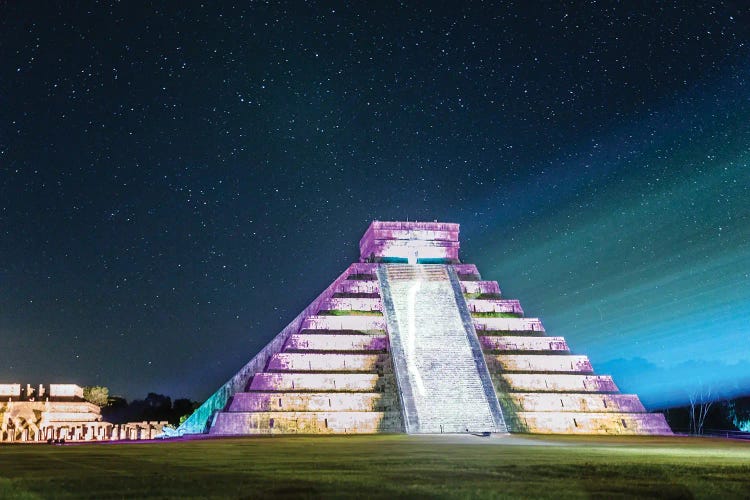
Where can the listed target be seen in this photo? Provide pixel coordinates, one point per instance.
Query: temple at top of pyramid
(409, 339)
(410, 242)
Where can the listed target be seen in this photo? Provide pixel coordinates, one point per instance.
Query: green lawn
(382, 466)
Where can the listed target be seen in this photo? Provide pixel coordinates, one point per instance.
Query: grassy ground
(382, 466)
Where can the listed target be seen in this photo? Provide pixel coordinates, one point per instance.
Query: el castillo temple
(411, 340)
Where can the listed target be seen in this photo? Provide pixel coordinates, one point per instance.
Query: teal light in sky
(644, 262)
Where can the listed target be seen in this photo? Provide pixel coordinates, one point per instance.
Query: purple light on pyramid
(410, 339)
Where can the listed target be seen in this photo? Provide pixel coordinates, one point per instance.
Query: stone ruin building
(59, 412)
(409, 339)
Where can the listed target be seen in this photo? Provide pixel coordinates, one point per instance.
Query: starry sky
(179, 179)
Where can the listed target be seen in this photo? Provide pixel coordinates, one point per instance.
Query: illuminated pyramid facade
(411, 340)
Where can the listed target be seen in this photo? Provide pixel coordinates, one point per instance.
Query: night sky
(179, 180)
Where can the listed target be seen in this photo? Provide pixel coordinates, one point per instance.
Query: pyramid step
(593, 423)
(317, 382)
(326, 362)
(538, 363)
(544, 382)
(354, 286)
(242, 423)
(483, 325)
(518, 343)
(463, 269)
(363, 268)
(362, 323)
(351, 304)
(488, 287)
(577, 402)
(495, 305)
(330, 342)
(312, 401)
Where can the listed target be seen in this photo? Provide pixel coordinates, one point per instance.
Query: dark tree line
(154, 407)
(706, 415)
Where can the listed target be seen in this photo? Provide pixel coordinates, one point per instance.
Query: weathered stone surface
(10, 390)
(357, 287)
(441, 387)
(466, 270)
(576, 402)
(495, 305)
(312, 401)
(539, 363)
(351, 304)
(388, 348)
(508, 325)
(200, 420)
(593, 423)
(65, 391)
(307, 422)
(327, 362)
(485, 287)
(363, 382)
(410, 241)
(364, 323)
(547, 382)
(342, 342)
(61, 414)
(519, 343)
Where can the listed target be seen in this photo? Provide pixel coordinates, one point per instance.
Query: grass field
(382, 467)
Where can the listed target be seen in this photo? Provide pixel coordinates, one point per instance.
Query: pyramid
(409, 339)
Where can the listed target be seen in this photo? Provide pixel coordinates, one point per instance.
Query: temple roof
(416, 242)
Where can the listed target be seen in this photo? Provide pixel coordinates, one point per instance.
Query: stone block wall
(363, 304)
(344, 323)
(551, 363)
(522, 343)
(341, 342)
(508, 325)
(480, 288)
(75, 421)
(331, 370)
(10, 391)
(495, 306)
(200, 421)
(332, 375)
(65, 391)
(541, 386)
(410, 240)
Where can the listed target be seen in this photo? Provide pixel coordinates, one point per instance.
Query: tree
(158, 407)
(153, 407)
(740, 413)
(700, 403)
(96, 394)
(182, 409)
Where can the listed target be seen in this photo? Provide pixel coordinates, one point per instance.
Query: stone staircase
(437, 367)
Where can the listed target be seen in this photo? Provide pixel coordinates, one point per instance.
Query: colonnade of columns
(21, 432)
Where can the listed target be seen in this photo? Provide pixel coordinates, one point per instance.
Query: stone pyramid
(411, 340)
